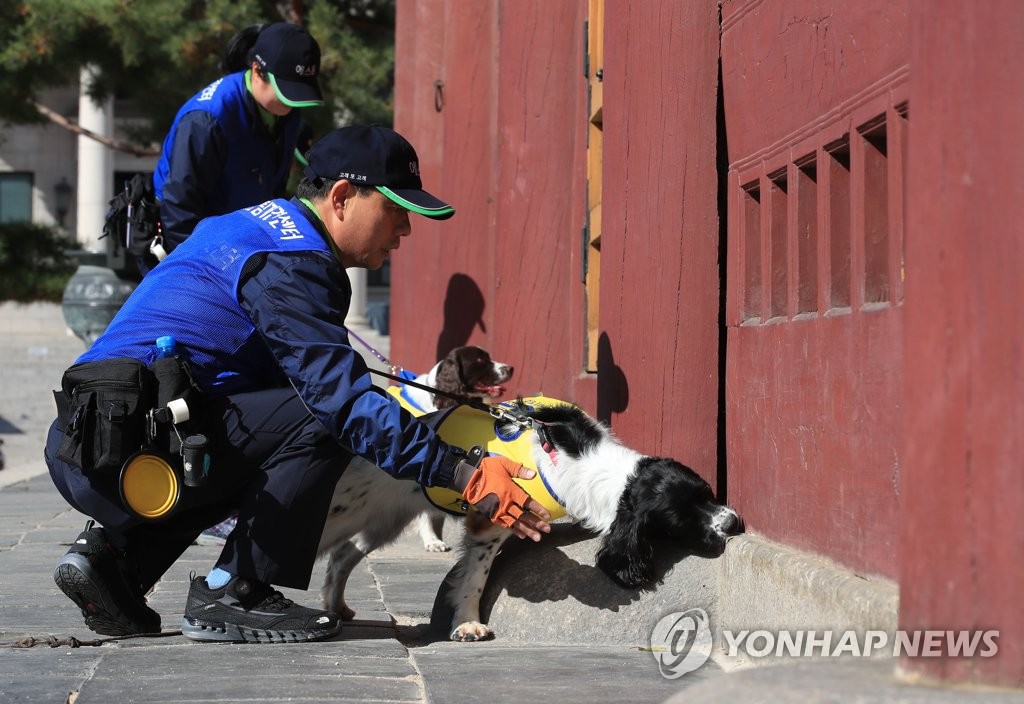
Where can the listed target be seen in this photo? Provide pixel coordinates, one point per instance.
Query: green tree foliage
(34, 265)
(159, 52)
(358, 42)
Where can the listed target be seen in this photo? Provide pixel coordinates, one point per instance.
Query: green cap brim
(441, 212)
(291, 103)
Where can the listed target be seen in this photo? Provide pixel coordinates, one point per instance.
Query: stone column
(357, 310)
(95, 164)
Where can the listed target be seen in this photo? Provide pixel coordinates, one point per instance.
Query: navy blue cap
(371, 155)
(291, 58)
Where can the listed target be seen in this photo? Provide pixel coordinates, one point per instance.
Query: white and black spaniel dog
(630, 500)
(467, 371)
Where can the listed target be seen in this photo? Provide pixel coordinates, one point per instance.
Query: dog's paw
(472, 631)
(435, 545)
(336, 603)
(342, 610)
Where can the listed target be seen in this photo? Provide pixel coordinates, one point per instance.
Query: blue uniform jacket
(256, 299)
(219, 156)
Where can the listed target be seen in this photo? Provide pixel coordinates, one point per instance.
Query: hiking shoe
(97, 578)
(244, 611)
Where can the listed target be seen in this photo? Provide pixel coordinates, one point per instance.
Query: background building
(49, 175)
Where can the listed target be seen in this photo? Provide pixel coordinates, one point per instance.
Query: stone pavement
(390, 654)
(387, 655)
(564, 634)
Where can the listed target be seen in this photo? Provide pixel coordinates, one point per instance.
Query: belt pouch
(104, 413)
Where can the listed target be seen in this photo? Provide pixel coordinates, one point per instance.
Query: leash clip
(498, 413)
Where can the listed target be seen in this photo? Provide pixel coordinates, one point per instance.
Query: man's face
(373, 227)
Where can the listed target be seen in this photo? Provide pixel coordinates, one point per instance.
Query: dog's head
(665, 501)
(470, 371)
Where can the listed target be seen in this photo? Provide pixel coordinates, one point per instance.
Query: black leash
(498, 412)
(464, 400)
(395, 369)
(520, 419)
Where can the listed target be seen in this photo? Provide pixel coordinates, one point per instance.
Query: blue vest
(256, 164)
(193, 296)
(200, 278)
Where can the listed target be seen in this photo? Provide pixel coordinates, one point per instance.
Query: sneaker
(244, 611)
(218, 534)
(96, 577)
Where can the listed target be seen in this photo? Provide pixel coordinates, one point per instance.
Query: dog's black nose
(729, 522)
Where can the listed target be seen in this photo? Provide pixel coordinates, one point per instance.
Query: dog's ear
(626, 553)
(447, 379)
(473, 362)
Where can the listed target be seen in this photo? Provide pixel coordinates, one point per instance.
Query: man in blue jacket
(232, 144)
(255, 301)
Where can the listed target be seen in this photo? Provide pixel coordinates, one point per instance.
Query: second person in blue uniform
(232, 144)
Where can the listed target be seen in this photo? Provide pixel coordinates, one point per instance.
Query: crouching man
(255, 301)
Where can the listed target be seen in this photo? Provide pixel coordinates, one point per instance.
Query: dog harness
(465, 427)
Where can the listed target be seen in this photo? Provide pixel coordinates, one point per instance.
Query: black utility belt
(111, 410)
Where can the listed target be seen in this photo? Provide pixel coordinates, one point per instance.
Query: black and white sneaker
(244, 611)
(97, 577)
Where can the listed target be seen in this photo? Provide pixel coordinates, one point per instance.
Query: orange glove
(489, 487)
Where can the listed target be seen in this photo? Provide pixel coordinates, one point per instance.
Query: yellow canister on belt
(150, 486)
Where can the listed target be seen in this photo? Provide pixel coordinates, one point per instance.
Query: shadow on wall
(612, 385)
(463, 311)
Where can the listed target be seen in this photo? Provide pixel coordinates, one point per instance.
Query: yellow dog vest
(465, 427)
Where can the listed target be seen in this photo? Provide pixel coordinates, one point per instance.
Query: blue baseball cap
(379, 157)
(291, 58)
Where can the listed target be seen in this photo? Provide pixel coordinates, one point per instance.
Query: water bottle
(166, 367)
(165, 347)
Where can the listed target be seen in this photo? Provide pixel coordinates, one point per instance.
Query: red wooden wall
(962, 535)
(814, 314)
(440, 276)
(540, 197)
(659, 258)
(871, 387)
(508, 148)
